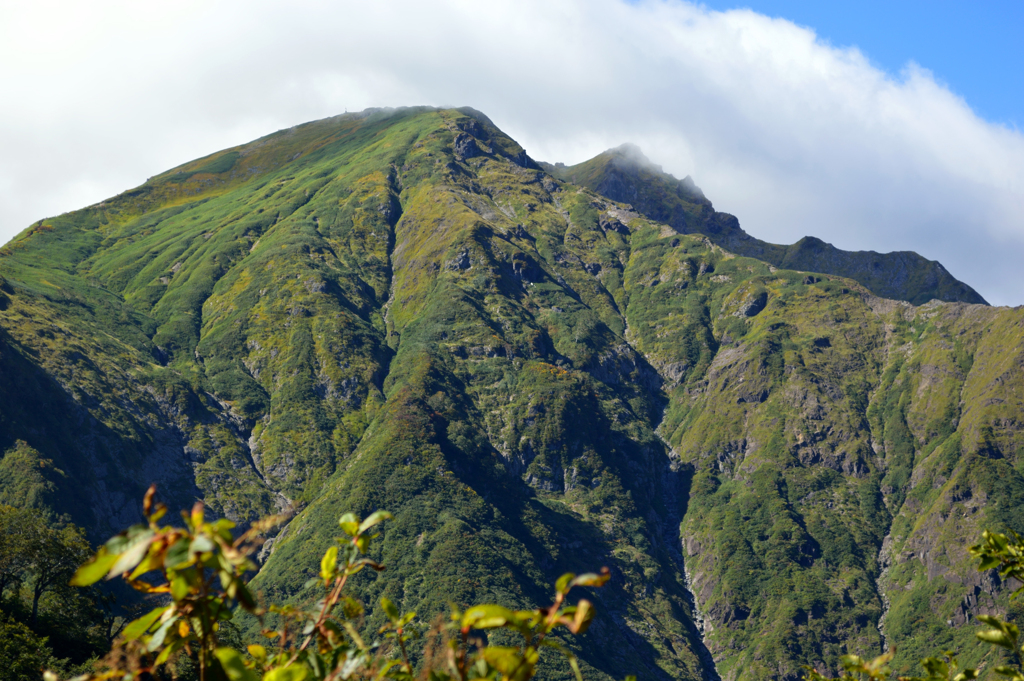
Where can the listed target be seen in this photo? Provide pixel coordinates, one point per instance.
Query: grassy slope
(348, 315)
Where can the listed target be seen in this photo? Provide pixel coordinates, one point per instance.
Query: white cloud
(792, 135)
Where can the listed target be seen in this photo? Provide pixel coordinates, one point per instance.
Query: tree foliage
(44, 621)
(15, 560)
(22, 652)
(55, 555)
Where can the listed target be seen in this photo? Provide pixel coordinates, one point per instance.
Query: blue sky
(975, 48)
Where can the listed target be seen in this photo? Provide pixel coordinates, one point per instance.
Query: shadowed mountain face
(401, 310)
(625, 174)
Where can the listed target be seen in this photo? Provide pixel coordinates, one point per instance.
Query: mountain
(624, 174)
(400, 309)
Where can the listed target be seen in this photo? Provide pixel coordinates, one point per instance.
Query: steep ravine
(883, 562)
(698, 621)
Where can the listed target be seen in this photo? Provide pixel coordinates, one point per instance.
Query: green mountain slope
(625, 174)
(401, 310)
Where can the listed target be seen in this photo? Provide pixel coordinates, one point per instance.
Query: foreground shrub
(200, 569)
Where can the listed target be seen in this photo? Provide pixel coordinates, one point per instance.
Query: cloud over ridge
(794, 136)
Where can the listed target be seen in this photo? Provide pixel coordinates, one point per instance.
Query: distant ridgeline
(779, 458)
(625, 174)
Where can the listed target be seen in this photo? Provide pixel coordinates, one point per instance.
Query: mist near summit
(792, 135)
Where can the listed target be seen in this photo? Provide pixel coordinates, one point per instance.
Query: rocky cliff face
(401, 310)
(625, 174)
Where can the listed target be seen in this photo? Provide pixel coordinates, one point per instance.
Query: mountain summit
(401, 310)
(625, 174)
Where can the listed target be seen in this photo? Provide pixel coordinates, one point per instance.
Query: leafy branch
(200, 570)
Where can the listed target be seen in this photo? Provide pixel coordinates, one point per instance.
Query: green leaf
(234, 664)
(575, 665)
(582, 617)
(179, 587)
(223, 529)
(935, 667)
(562, 585)
(329, 565)
(95, 570)
(990, 620)
(294, 672)
(389, 609)
(166, 653)
(349, 524)
(133, 555)
(504, 659)
(487, 617)
(996, 637)
(160, 634)
(157, 514)
(201, 544)
(363, 543)
(590, 579)
(152, 561)
(177, 555)
(142, 625)
(119, 543)
(375, 518)
(388, 666)
(242, 594)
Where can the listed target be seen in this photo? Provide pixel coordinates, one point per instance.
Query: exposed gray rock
(460, 262)
(465, 146)
(753, 304)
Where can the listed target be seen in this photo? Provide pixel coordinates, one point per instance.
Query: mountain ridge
(403, 311)
(625, 174)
